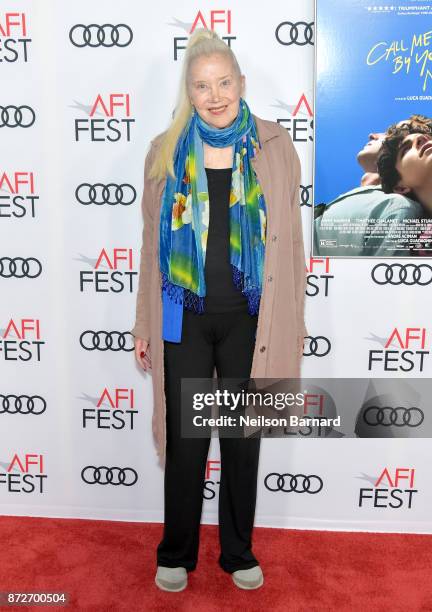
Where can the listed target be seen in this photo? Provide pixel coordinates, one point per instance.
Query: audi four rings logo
(399, 416)
(24, 404)
(305, 199)
(299, 33)
(105, 341)
(106, 35)
(402, 274)
(319, 346)
(100, 194)
(109, 475)
(17, 116)
(293, 483)
(20, 267)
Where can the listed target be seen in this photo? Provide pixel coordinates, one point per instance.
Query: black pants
(226, 341)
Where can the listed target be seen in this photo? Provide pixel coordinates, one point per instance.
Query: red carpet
(109, 566)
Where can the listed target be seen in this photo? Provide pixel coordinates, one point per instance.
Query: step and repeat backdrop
(85, 86)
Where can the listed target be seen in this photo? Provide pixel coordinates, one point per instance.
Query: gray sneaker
(171, 578)
(248, 579)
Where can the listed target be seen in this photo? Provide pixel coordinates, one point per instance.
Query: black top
(221, 294)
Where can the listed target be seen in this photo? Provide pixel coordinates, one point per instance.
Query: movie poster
(373, 130)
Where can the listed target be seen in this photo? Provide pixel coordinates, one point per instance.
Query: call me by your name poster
(373, 130)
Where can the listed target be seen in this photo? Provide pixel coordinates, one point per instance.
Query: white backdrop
(42, 456)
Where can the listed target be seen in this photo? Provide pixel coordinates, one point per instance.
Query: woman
(222, 282)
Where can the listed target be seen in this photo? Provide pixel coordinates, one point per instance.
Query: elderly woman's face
(215, 89)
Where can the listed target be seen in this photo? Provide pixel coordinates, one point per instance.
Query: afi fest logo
(216, 18)
(17, 195)
(119, 276)
(315, 406)
(318, 276)
(211, 480)
(24, 474)
(13, 37)
(110, 119)
(21, 340)
(392, 489)
(113, 409)
(403, 351)
(297, 119)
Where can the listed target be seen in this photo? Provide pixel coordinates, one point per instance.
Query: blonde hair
(202, 42)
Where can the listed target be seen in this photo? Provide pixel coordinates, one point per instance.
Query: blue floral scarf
(184, 220)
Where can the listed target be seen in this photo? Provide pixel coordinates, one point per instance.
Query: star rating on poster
(381, 9)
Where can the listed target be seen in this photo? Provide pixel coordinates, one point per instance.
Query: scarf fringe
(180, 295)
(195, 303)
(252, 294)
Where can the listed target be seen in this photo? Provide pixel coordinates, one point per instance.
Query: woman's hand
(142, 354)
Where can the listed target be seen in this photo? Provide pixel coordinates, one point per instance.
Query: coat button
(262, 349)
(274, 237)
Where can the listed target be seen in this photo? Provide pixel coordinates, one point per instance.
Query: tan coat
(281, 329)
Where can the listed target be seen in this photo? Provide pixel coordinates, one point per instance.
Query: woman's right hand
(142, 354)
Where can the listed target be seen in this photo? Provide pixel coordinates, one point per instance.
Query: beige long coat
(281, 329)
